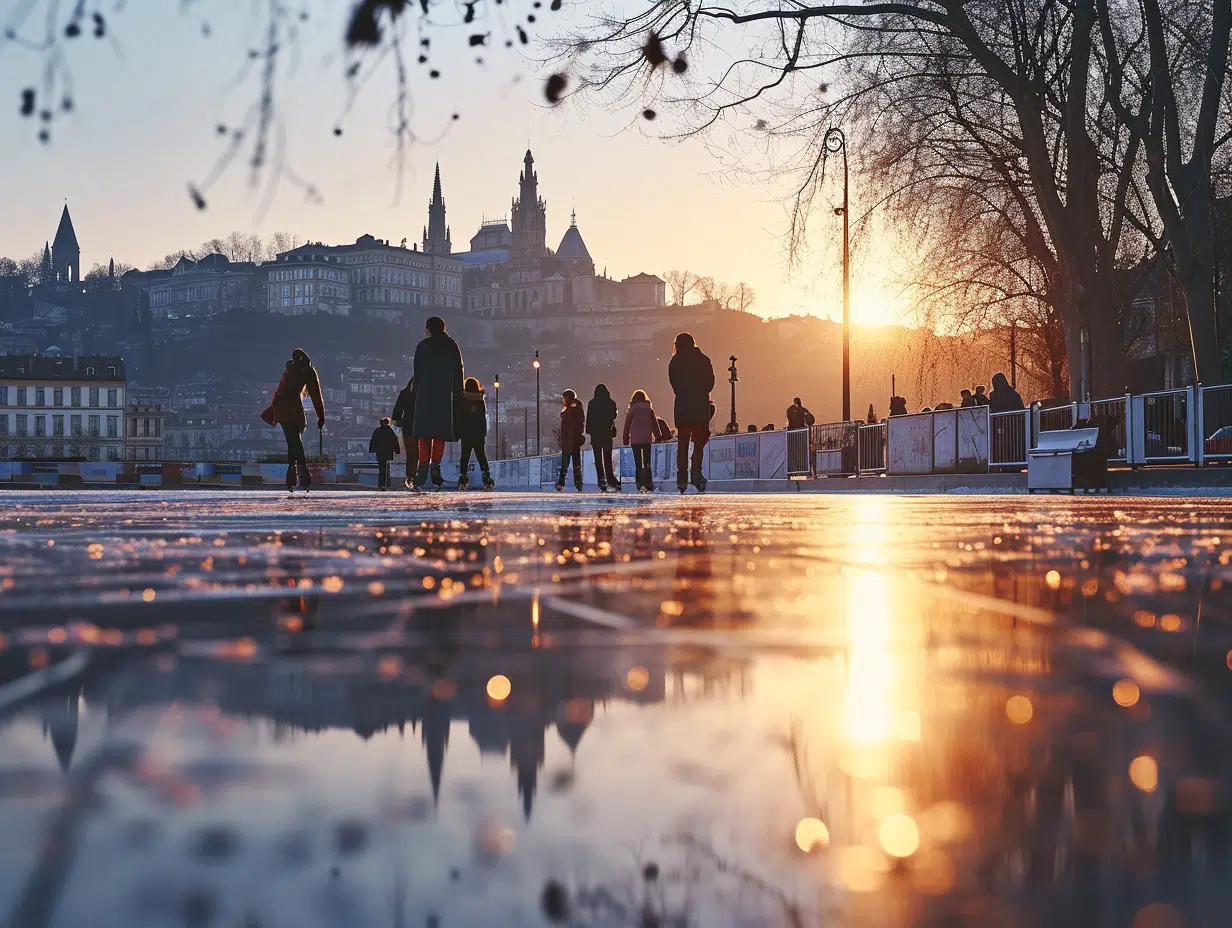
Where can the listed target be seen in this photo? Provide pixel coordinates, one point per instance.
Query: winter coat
(473, 418)
(967, 402)
(641, 424)
(572, 427)
(981, 399)
(692, 378)
(1003, 397)
(798, 417)
(298, 378)
(601, 416)
(438, 388)
(403, 415)
(384, 443)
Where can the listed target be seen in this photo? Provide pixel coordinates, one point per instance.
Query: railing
(871, 449)
(1057, 418)
(1112, 415)
(1009, 438)
(834, 447)
(1215, 423)
(799, 453)
(1162, 426)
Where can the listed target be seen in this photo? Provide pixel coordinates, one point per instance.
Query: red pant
(700, 435)
(431, 449)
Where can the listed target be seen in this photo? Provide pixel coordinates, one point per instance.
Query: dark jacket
(798, 417)
(572, 427)
(473, 418)
(967, 402)
(403, 415)
(1003, 397)
(438, 387)
(384, 443)
(298, 378)
(692, 378)
(981, 399)
(601, 415)
(665, 431)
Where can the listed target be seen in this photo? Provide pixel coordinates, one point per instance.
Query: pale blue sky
(144, 126)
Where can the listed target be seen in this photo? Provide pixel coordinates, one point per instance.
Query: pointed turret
(529, 219)
(573, 255)
(46, 271)
(65, 252)
(436, 235)
(436, 740)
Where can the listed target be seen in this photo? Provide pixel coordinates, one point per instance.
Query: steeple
(46, 273)
(436, 237)
(529, 219)
(65, 252)
(436, 739)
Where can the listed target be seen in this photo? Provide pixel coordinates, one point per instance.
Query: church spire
(529, 219)
(46, 274)
(436, 236)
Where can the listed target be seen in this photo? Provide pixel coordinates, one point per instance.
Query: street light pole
(496, 387)
(836, 141)
(538, 405)
(733, 427)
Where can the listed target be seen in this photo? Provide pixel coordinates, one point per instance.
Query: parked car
(1220, 442)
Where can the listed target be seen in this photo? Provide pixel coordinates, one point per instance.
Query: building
(310, 279)
(65, 254)
(193, 435)
(62, 407)
(143, 432)
(201, 288)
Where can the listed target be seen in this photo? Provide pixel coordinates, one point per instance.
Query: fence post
(1196, 425)
(1129, 430)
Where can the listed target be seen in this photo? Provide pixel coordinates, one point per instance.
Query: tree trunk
(1194, 263)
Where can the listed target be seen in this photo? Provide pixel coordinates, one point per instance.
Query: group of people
(440, 405)
(1003, 398)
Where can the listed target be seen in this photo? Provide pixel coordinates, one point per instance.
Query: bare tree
(167, 262)
(742, 297)
(681, 283)
(280, 242)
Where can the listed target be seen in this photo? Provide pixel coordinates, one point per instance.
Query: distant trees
(684, 284)
(237, 246)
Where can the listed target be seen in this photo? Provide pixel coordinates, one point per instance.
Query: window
(4, 425)
(21, 426)
(57, 426)
(95, 422)
(4, 396)
(57, 396)
(113, 452)
(40, 426)
(21, 396)
(94, 397)
(75, 396)
(40, 396)
(113, 399)
(111, 371)
(132, 428)
(113, 426)
(89, 372)
(75, 425)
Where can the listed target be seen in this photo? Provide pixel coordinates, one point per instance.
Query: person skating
(299, 378)
(642, 428)
(601, 415)
(572, 436)
(473, 431)
(438, 391)
(692, 378)
(403, 417)
(384, 445)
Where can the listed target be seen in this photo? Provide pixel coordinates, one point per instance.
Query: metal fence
(1164, 426)
(1113, 415)
(1057, 418)
(1216, 423)
(871, 453)
(834, 447)
(1009, 438)
(799, 453)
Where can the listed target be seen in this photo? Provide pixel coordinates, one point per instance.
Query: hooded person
(403, 416)
(572, 437)
(601, 415)
(692, 378)
(1003, 397)
(473, 432)
(438, 392)
(299, 378)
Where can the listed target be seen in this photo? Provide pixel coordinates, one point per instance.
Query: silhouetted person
(665, 431)
(981, 397)
(1003, 397)
(768, 427)
(438, 390)
(572, 437)
(798, 416)
(967, 399)
(898, 406)
(473, 431)
(642, 427)
(404, 418)
(940, 406)
(299, 378)
(601, 415)
(692, 378)
(871, 418)
(384, 445)
(753, 428)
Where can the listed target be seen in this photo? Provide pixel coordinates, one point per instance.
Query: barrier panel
(1057, 418)
(836, 448)
(945, 441)
(1215, 423)
(1112, 417)
(909, 444)
(799, 456)
(722, 458)
(772, 455)
(972, 439)
(748, 457)
(1009, 438)
(871, 449)
(1161, 427)
(625, 464)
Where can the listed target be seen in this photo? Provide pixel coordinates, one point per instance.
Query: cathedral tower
(529, 220)
(65, 252)
(436, 239)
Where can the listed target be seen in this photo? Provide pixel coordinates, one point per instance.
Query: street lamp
(733, 379)
(836, 141)
(538, 439)
(496, 387)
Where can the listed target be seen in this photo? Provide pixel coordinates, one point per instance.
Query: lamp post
(836, 141)
(496, 387)
(538, 439)
(733, 379)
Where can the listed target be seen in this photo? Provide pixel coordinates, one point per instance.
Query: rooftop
(39, 367)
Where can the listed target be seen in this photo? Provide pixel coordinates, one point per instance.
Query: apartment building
(62, 407)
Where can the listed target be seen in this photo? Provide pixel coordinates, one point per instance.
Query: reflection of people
(438, 389)
(299, 378)
(692, 378)
(693, 586)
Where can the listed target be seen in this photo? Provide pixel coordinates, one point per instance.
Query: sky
(149, 98)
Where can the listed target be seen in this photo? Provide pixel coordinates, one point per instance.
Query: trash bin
(1068, 459)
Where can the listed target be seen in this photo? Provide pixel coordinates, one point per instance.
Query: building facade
(143, 432)
(309, 280)
(202, 288)
(62, 407)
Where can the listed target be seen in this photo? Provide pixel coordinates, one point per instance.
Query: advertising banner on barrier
(94, 472)
(909, 444)
(945, 441)
(534, 472)
(772, 455)
(973, 440)
(748, 457)
(722, 458)
(626, 469)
